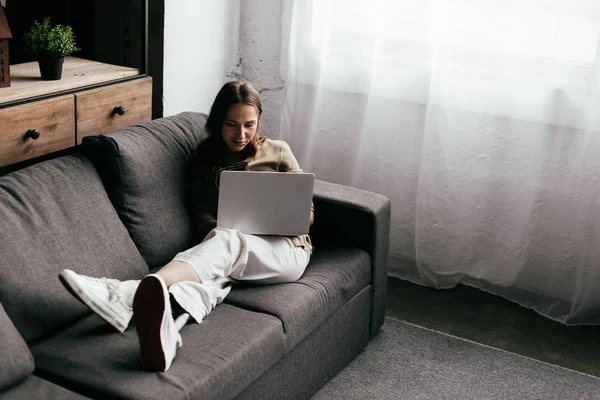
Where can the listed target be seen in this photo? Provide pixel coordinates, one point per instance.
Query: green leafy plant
(46, 40)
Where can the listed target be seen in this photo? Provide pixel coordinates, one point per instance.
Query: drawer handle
(32, 133)
(119, 110)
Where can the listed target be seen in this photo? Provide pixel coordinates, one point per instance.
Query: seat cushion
(37, 388)
(220, 357)
(56, 215)
(143, 168)
(332, 277)
(16, 362)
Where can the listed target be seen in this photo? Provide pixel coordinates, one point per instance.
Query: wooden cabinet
(36, 129)
(40, 117)
(112, 107)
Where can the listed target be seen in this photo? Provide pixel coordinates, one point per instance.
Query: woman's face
(239, 126)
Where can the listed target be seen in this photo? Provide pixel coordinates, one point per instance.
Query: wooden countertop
(25, 81)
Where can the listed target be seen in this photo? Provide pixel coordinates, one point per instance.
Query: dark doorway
(156, 35)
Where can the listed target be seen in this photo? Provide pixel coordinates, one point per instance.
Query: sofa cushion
(37, 388)
(143, 168)
(319, 356)
(220, 357)
(56, 215)
(332, 277)
(16, 362)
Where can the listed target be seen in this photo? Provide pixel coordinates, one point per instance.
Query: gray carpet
(405, 361)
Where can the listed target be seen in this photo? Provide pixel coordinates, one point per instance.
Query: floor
(475, 315)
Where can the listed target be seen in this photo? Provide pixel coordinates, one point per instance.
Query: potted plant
(49, 45)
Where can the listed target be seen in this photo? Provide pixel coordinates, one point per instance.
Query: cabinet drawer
(54, 120)
(97, 108)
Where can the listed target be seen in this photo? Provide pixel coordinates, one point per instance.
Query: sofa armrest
(346, 216)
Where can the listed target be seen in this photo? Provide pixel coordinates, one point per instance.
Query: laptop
(265, 203)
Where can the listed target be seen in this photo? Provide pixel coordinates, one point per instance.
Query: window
(509, 57)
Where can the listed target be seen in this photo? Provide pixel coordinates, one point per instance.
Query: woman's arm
(204, 216)
(203, 200)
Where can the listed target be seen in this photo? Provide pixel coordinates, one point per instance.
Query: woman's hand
(312, 217)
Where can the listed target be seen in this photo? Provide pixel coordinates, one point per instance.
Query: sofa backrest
(143, 169)
(55, 215)
(16, 362)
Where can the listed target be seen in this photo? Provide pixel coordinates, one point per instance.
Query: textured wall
(259, 57)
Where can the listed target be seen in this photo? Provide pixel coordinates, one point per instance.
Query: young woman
(199, 278)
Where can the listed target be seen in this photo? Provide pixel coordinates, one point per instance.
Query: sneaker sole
(149, 306)
(69, 282)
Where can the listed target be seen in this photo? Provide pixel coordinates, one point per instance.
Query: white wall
(200, 47)
(210, 42)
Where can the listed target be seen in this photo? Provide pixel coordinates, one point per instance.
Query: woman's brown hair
(234, 92)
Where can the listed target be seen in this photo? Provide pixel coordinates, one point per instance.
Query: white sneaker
(103, 296)
(157, 333)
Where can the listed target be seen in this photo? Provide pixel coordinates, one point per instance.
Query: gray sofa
(118, 208)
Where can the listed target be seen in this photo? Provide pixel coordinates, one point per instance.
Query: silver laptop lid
(265, 203)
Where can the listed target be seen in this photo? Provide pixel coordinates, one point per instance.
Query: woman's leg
(192, 279)
(271, 259)
(228, 255)
(212, 260)
(112, 299)
(198, 279)
(178, 271)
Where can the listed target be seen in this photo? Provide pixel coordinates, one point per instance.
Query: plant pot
(51, 67)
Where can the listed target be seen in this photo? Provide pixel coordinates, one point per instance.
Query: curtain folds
(480, 120)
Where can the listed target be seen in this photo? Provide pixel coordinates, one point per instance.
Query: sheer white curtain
(479, 119)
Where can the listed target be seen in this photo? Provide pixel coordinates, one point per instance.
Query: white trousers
(228, 255)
